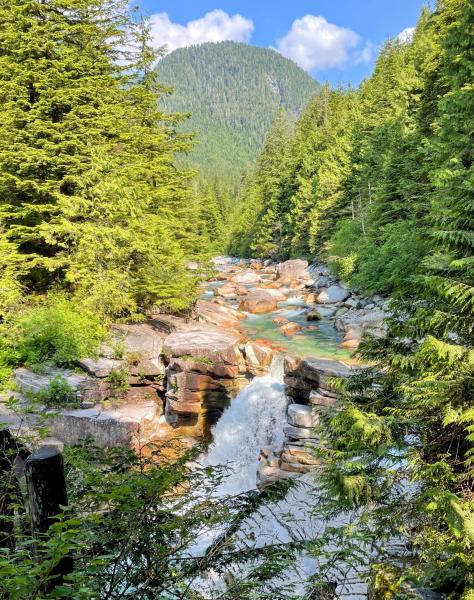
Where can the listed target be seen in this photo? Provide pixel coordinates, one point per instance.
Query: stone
(327, 310)
(300, 415)
(290, 328)
(228, 290)
(100, 367)
(302, 376)
(259, 301)
(219, 315)
(277, 295)
(206, 342)
(257, 356)
(298, 433)
(318, 400)
(334, 293)
(302, 458)
(352, 302)
(280, 321)
(86, 388)
(294, 467)
(141, 345)
(246, 277)
(292, 270)
(313, 315)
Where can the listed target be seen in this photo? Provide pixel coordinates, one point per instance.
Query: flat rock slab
(292, 270)
(28, 381)
(204, 341)
(100, 367)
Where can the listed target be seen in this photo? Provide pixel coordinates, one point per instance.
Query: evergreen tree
(403, 443)
(89, 196)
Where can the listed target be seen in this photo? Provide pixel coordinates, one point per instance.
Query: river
(255, 418)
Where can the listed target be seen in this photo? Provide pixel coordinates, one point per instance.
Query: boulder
(298, 433)
(100, 367)
(300, 415)
(228, 290)
(257, 356)
(219, 315)
(334, 293)
(290, 328)
(246, 277)
(279, 321)
(259, 301)
(206, 342)
(140, 345)
(302, 376)
(276, 295)
(313, 315)
(292, 270)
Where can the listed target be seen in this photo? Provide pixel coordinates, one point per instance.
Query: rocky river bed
(172, 377)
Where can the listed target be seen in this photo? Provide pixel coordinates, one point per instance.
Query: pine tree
(404, 438)
(89, 196)
(270, 176)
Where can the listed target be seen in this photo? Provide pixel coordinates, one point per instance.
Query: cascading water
(254, 419)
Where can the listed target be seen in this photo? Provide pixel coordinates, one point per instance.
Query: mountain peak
(233, 91)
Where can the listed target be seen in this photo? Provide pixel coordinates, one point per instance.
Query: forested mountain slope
(233, 91)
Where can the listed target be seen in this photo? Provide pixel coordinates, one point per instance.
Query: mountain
(233, 91)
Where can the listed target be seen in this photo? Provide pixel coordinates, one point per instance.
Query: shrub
(58, 393)
(55, 331)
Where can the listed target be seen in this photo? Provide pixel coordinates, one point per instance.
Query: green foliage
(135, 526)
(118, 379)
(89, 195)
(58, 393)
(233, 91)
(55, 330)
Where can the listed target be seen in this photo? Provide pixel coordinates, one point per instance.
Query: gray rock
(298, 433)
(100, 367)
(300, 415)
(334, 293)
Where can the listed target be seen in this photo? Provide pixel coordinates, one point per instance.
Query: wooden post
(46, 494)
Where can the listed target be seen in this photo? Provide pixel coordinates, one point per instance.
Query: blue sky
(334, 40)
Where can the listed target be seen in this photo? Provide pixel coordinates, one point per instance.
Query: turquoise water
(323, 342)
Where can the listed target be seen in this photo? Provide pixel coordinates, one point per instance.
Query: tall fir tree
(89, 197)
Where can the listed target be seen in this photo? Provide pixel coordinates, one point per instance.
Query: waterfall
(254, 419)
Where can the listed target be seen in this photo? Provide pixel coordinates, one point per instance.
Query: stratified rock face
(334, 293)
(293, 270)
(259, 301)
(309, 384)
(302, 376)
(204, 365)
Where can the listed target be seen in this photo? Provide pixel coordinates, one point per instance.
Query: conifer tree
(89, 196)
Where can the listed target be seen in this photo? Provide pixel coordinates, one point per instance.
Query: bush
(56, 331)
(58, 393)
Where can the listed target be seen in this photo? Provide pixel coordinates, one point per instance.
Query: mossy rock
(313, 315)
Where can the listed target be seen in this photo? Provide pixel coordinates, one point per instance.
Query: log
(47, 493)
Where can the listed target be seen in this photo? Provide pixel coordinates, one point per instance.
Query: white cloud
(406, 35)
(315, 44)
(214, 26)
(365, 54)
